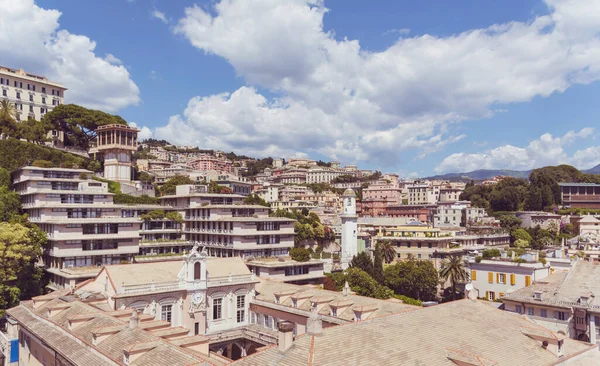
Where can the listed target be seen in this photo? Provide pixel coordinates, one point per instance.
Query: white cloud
(30, 39)
(547, 150)
(160, 16)
(110, 58)
(401, 31)
(362, 105)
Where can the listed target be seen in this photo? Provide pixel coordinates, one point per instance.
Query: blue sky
(404, 86)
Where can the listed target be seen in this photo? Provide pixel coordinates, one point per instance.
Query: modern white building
(33, 95)
(349, 228)
(323, 174)
(227, 227)
(85, 228)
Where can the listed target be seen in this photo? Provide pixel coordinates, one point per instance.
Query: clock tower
(195, 279)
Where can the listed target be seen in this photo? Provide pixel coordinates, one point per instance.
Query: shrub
(478, 259)
(15, 154)
(126, 199)
(408, 300)
(42, 164)
(300, 254)
(83, 175)
(491, 253)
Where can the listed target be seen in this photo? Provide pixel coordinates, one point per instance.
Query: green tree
(254, 199)
(510, 222)
(378, 265)
(490, 253)
(34, 131)
(169, 188)
(365, 285)
(388, 250)
(5, 178)
(300, 254)
(416, 279)
(303, 232)
(454, 270)
(174, 216)
(521, 234)
(21, 248)
(521, 243)
(94, 165)
(8, 115)
(79, 124)
(363, 261)
(10, 204)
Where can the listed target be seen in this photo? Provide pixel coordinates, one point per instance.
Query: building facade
(580, 195)
(33, 95)
(227, 227)
(84, 227)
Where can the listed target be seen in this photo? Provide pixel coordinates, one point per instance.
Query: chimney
(134, 321)
(285, 335)
(346, 290)
(314, 325)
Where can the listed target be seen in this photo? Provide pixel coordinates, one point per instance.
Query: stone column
(592, 329)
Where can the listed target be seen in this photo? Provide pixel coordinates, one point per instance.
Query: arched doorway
(583, 337)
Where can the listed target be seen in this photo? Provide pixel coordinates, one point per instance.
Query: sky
(411, 87)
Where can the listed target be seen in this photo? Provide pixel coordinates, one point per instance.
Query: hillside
(482, 174)
(15, 153)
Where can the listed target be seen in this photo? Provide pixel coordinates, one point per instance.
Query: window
(268, 321)
(502, 278)
(3, 92)
(30, 108)
(196, 328)
(217, 308)
(579, 320)
(166, 312)
(530, 311)
(241, 308)
(43, 89)
(18, 95)
(491, 295)
(544, 313)
(519, 309)
(419, 255)
(197, 270)
(561, 315)
(333, 311)
(30, 98)
(43, 100)
(490, 277)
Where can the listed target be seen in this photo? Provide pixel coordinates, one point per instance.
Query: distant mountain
(594, 170)
(483, 174)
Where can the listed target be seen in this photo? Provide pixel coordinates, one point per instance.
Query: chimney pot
(134, 321)
(285, 335)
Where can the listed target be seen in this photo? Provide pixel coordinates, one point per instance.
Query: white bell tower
(349, 228)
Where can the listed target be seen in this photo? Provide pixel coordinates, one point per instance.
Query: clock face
(197, 297)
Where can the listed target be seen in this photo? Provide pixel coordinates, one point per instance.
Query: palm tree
(8, 109)
(8, 114)
(389, 253)
(453, 269)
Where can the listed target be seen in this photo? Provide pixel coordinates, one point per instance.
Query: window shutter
(474, 275)
(513, 279)
(497, 277)
(487, 295)
(527, 281)
(490, 277)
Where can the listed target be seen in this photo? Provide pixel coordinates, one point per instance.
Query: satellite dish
(469, 287)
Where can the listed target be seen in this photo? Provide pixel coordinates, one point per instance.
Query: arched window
(197, 270)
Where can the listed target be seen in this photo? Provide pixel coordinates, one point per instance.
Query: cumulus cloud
(160, 16)
(30, 39)
(362, 105)
(547, 150)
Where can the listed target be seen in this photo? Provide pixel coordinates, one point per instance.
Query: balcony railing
(182, 285)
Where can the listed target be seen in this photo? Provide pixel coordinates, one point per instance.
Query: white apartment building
(269, 192)
(418, 194)
(492, 279)
(323, 174)
(227, 227)
(85, 228)
(33, 95)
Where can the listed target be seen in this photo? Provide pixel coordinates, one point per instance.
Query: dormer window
(294, 303)
(333, 311)
(537, 295)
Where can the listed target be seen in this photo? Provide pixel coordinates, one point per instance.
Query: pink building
(382, 190)
(207, 162)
